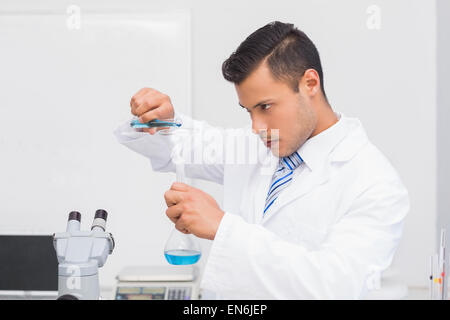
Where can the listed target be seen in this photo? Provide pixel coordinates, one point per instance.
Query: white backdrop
(66, 84)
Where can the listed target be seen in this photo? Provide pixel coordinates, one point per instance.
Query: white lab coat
(334, 229)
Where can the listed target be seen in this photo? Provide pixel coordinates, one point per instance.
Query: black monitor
(28, 263)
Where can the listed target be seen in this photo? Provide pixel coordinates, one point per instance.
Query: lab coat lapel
(298, 188)
(347, 148)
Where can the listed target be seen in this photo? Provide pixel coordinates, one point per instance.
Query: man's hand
(149, 104)
(193, 211)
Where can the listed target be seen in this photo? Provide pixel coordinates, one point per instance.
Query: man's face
(272, 105)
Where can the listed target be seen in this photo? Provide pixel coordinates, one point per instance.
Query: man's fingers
(181, 226)
(143, 97)
(173, 197)
(149, 102)
(137, 98)
(174, 212)
(142, 92)
(161, 112)
(179, 186)
(150, 115)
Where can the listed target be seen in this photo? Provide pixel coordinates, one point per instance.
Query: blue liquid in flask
(182, 257)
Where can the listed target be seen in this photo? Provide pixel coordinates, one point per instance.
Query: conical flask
(181, 248)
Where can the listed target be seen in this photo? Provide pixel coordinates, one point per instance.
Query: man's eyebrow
(256, 105)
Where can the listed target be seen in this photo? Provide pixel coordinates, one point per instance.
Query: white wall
(67, 87)
(443, 116)
(385, 77)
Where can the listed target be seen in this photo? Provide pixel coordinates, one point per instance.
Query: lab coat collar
(341, 144)
(315, 150)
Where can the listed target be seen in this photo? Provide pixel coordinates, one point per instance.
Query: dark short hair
(289, 54)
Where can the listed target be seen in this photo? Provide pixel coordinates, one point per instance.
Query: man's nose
(258, 126)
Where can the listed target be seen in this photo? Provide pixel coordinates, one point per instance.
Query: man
(327, 218)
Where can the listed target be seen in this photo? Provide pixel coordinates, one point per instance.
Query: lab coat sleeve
(200, 148)
(250, 261)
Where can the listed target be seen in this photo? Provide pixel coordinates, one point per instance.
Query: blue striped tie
(282, 177)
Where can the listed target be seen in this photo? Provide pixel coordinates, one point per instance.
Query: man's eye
(265, 106)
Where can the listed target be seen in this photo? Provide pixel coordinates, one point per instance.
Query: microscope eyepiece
(100, 219)
(101, 214)
(75, 215)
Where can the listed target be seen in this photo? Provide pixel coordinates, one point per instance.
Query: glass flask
(180, 248)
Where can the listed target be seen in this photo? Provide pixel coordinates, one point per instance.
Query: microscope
(80, 255)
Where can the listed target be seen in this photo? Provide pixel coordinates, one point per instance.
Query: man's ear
(310, 83)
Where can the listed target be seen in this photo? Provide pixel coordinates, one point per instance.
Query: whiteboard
(63, 92)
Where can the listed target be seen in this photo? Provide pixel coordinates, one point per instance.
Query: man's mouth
(269, 142)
